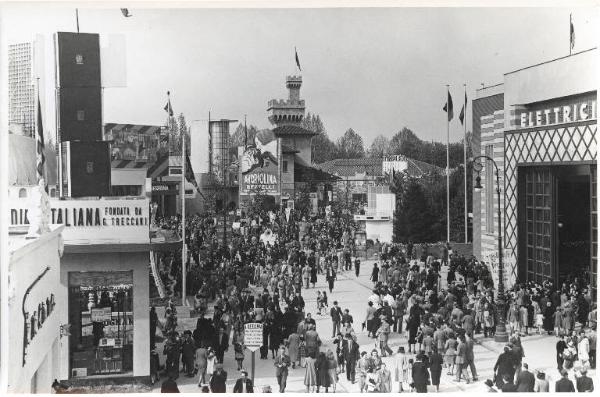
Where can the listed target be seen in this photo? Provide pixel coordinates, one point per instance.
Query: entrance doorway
(555, 224)
(573, 223)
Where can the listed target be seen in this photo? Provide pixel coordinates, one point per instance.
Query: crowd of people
(260, 276)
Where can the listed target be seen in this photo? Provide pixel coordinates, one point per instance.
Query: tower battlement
(291, 110)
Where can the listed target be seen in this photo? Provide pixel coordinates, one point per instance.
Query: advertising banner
(259, 167)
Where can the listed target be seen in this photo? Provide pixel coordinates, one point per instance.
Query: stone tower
(288, 111)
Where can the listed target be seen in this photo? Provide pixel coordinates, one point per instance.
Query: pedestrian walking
(310, 376)
(336, 318)
(350, 352)
(201, 364)
(436, 361)
(322, 367)
(384, 380)
(357, 267)
(218, 379)
(383, 334)
(332, 369)
(282, 362)
(420, 374)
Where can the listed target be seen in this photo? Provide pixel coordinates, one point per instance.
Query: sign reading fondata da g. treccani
(93, 221)
(258, 165)
(253, 336)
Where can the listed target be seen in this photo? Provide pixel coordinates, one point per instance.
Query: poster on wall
(259, 167)
(101, 314)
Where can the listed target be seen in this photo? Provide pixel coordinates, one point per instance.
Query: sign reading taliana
(253, 336)
(92, 221)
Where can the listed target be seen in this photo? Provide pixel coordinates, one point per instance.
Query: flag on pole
(448, 108)
(572, 32)
(40, 158)
(126, 13)
(168, 107)
(297, 59)
(461, 116)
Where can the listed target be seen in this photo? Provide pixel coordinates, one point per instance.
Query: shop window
(52, 192)
(102, 323)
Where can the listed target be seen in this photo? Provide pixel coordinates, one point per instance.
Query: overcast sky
(374, 70)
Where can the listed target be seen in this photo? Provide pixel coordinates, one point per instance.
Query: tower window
(79, 59)
(285, 166)
(80, 115)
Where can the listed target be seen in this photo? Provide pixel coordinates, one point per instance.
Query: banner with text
(93, 221)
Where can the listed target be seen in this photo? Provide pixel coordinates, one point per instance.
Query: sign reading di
(253, 336)
(93, 221)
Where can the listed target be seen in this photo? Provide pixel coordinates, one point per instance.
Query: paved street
(352, 293)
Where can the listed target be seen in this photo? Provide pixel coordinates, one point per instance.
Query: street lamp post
(500, 335)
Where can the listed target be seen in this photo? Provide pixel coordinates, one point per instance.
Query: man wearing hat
(243, 384)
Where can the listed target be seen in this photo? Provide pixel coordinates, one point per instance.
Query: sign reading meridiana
(93, 221)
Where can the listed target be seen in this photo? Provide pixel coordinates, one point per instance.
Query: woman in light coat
(401, 368)
(294, 348)
(310, 376)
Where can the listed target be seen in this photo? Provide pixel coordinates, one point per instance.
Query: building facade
(543, 140)
(33, 312)
(21, 88)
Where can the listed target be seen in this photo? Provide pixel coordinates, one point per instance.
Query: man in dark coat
(188, 352)
(420, 374)
(347, 317)
(218, 379)
(282, 362)
(561, 345)
(584, 382)
(351, 356)
(505, 365)
(172, 350)
(336, 318)
(564, 385)
(243, 384)
(525, 380)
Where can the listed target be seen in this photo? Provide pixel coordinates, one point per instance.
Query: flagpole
(448, 166)
(40, 139)
(77, 18)
(465, 169)
(183, 247)
(245, 134)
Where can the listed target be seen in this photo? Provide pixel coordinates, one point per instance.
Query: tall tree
(323, 149)
(350, 145)
(380, 147)
(238, 137)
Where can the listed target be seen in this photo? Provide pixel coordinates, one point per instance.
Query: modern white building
(540, 128)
